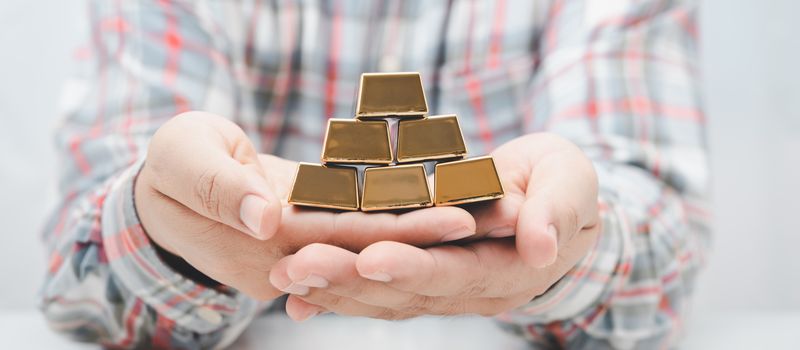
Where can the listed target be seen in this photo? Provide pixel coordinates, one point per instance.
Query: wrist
(181, 266)
(164, 252)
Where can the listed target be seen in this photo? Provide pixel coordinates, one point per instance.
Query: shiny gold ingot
(325, 187)
(437, 137)
(382, 95)
(355, 141)
(466, 181)
(395, 187)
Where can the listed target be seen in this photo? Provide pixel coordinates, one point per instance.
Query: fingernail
(296, 289)
(315, 281)
(500, 232)
(251, 211)
(309, 316)
(459, 233)
(379, 276)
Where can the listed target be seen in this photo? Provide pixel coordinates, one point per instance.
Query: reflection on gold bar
(325, 187)
(354, 141)
(436, 137)
(391, 94)
(467, 181)
(396, 187)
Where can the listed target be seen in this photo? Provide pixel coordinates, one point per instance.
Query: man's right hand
(205, 195)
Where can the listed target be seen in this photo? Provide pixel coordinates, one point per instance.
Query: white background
(752, 76)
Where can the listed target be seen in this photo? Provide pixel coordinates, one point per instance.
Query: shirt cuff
(605, 266)
(136, 265)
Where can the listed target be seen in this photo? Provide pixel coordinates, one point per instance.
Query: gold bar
(467, 181)
(391, 94)
(437, 137)
(395, 187)
(355, 141)
(325, 187)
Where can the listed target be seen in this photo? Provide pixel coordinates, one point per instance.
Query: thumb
(537, 232)
(208, 164)
(561, 200)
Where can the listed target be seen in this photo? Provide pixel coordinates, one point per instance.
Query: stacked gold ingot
(394, 179)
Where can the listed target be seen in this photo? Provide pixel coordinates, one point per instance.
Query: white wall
(752, 79)
(753, 94)
(36, 42)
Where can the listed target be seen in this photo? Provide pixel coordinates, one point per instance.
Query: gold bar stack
(395, 179)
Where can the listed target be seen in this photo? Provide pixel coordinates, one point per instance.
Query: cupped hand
(545, 224)
(205, 195)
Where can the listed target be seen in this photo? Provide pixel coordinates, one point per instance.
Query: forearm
(106, 284)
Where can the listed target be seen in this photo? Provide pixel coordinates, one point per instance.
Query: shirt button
(209, 315)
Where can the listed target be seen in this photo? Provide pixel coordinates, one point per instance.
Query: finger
(356, 230)
(207, 164)
(537, 235)
(215, 249)
(446, 307)
(490, 268)
(497, 219)
(344, 306)
(299, 310)
(318, 297)
(560, 202)
(330, 272)
(334, 270)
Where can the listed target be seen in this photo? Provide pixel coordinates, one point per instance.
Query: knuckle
(476, 284)
(332, 301)
(207, 191)
(455, 307)
(420, 304)
(448, 307)
(475, 288)
(508, 286)
(571, 219)
(391, 315)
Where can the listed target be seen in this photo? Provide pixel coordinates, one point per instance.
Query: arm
(105, 282)
(620, 81)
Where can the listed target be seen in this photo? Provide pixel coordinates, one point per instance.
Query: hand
(550, 209)
(205, 195)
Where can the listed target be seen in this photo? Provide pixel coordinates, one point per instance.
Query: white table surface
(735, 330)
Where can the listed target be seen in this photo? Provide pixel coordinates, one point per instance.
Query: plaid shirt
(617, 77)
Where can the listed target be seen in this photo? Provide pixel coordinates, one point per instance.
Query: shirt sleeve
(147, 62)
(619, 78)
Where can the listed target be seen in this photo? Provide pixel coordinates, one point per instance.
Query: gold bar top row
(396, 187)
(382, 95)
